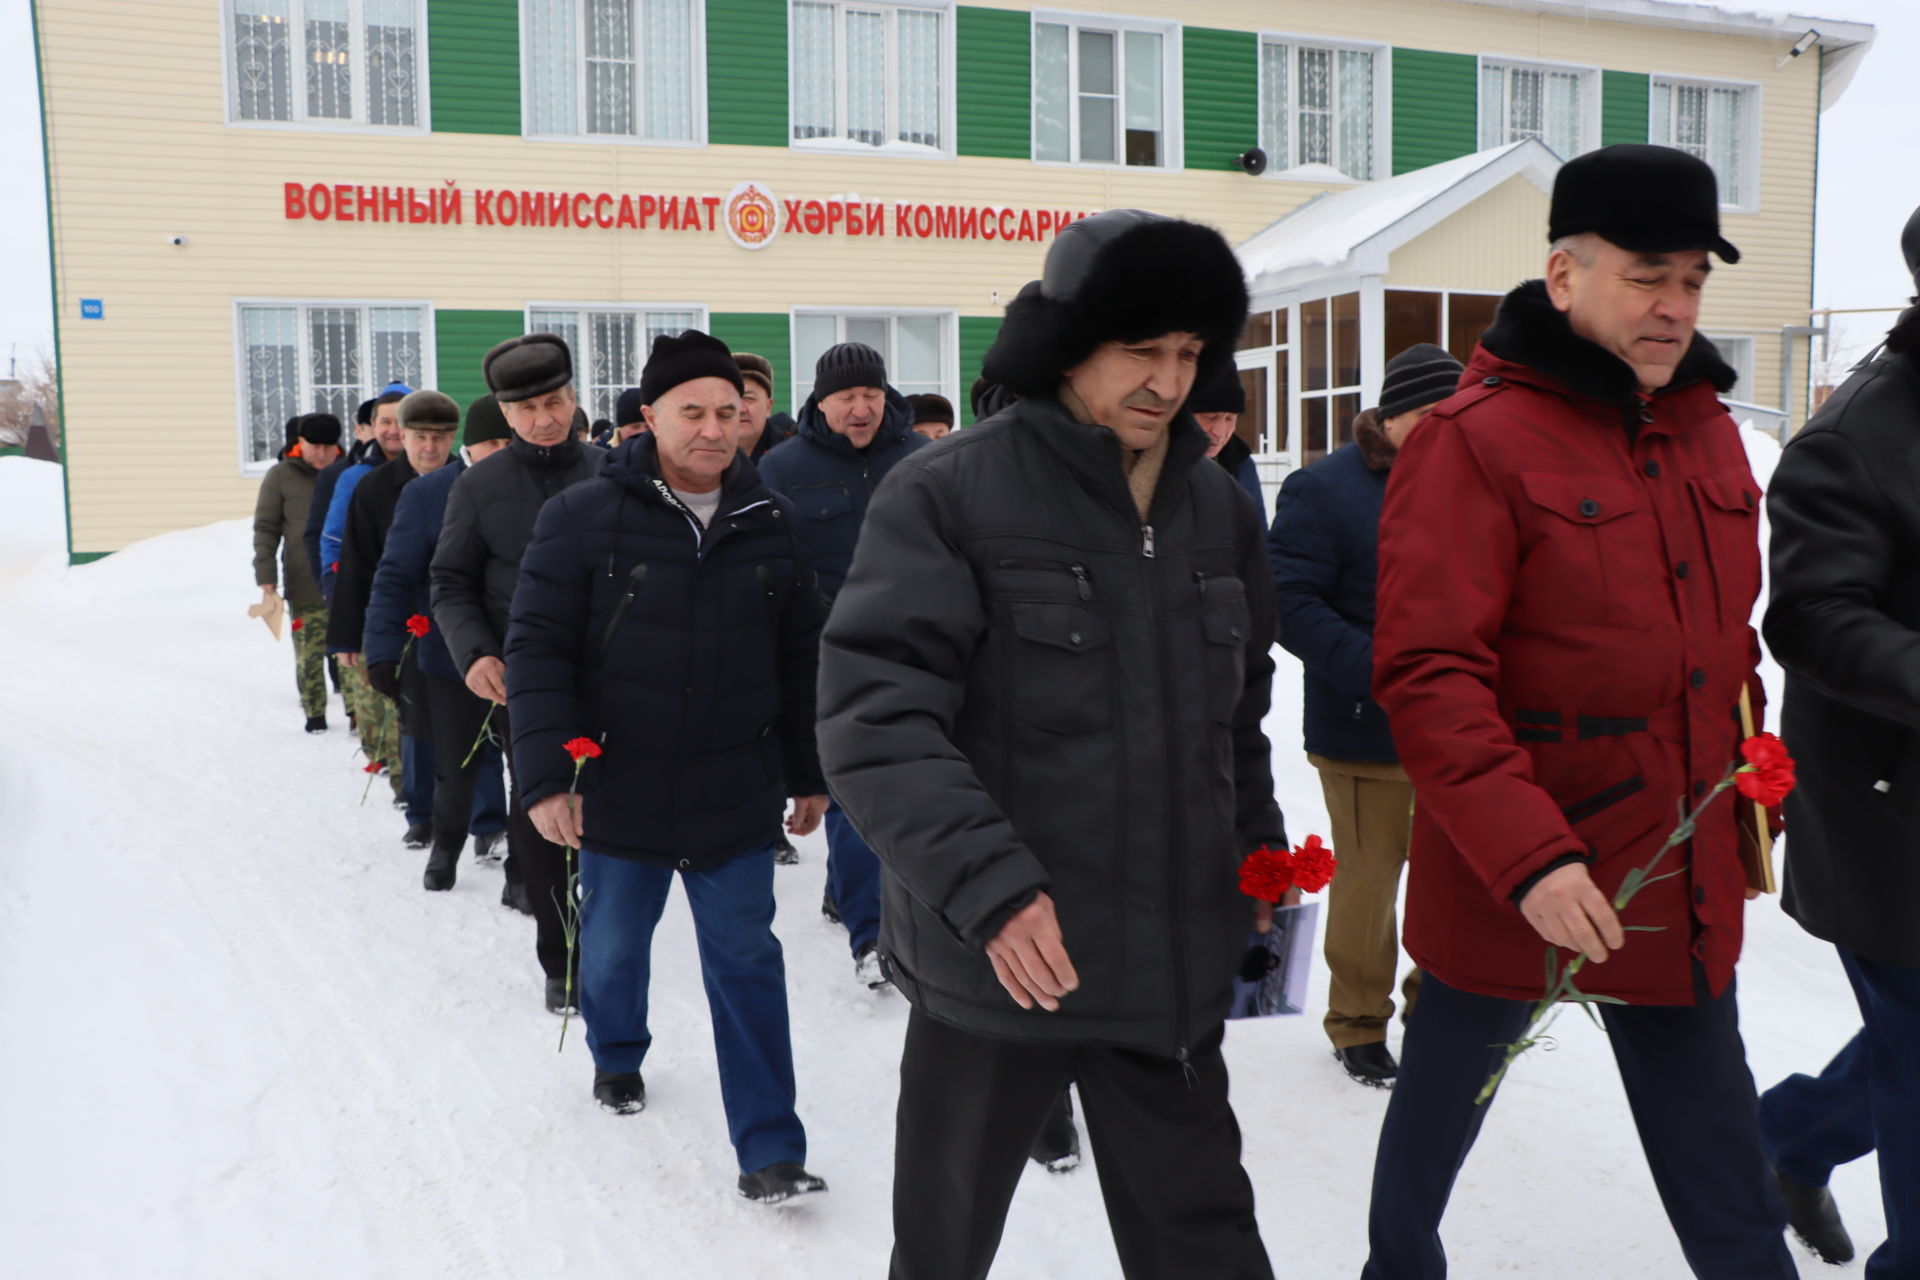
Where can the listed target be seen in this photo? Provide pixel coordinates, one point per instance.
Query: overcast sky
(1869, 177)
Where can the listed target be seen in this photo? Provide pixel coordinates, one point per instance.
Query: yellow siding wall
(1490, 246)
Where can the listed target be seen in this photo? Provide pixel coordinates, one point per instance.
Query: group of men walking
(1020, 676)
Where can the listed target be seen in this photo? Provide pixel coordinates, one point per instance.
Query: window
(320, 357)
(1715, 122)
(1451, 320)
(310, 61)
(869, 75)
(1101, 93)
(1262, 361)
(1329, 374)
(1737, 351)
(612, 69)
(1557, 105)
(1317, 106)
(610, 344)
(917, 347)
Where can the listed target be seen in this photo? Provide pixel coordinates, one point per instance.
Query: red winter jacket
(1562, 637)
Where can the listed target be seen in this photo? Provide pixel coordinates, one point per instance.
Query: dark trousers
(534, 861)
(1165, 1143)
(464, 786)
(741, 965)
(1693, 1101)
(1867, 1099)
(853, 880)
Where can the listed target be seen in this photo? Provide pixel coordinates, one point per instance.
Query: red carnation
(1266, 874)
(418, 625)
(297, 624)
(1313, 865)
(581, 749)
(1767, 776)
(372, 766)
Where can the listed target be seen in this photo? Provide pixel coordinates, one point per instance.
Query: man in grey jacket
(1040, 699)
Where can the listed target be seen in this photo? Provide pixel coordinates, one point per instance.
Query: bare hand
(1752, 893)
(267, 592)
(487, 678)
(1568, 910)
(348, 659)
(1263, 911)
(559, 819)
(1030, 958)
(806, 815)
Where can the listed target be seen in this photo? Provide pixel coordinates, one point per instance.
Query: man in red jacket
(1568, 563)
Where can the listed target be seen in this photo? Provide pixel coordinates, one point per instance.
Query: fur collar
(1904, 338)
(1529, 330)
(1375, 449)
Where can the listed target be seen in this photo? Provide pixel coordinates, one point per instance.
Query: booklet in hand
(1272, 981)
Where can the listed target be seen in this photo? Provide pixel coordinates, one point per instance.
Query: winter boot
(418, 836)
(316, 724)
(622, 1092)
(867, 970)
(1370, 1064)
(1815, 1218)
(828, 909)
(490, 849)
(441, 862)
(558, 1001)
(514, 894)
(784, 854)
(1057, 1149)
(779, 1182)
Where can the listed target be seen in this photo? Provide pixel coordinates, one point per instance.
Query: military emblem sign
(752, 216)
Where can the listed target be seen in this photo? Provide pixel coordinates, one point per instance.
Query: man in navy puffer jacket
(666, 611)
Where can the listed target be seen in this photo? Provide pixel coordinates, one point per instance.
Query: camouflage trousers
(377, 719)
(310, 656)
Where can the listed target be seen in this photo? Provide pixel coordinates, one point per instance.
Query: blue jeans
(418, 759)
(741, 965)
(1867, 1099)
(853, 880)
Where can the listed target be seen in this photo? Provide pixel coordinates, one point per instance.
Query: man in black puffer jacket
(666, 612)
(1040, 693)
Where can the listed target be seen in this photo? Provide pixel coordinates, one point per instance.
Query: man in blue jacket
(666, 612)
(1323, 544)
(853, 429)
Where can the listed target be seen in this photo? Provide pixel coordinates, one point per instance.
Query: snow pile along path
(238, 1040)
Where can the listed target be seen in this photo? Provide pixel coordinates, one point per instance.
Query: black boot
(621, 1092)
(490, 848)
(317, 724)
(828, 909)
(441, 862)
(419, 836)
(1815, 1218)
(558, 1000)
(514, 894)
(779, 1182)
(784, 854)
(1058, 1146)
(1370, 1064)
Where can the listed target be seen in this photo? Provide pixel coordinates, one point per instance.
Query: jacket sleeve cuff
(1564, 860)
(973, 907)
(990, 928)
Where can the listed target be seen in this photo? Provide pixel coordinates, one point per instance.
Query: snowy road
(237, 1040)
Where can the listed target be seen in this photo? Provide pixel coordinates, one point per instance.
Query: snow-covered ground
(238, 1040)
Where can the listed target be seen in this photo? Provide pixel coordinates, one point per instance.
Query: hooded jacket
(689, 654)
(831, 482)
(279, 522)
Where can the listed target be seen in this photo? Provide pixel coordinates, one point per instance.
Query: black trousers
(1693, 1101)
(538, 863)
(1165, 1143)
(454, 715)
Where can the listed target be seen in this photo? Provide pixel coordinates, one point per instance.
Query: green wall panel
(473, 54)
(747, 73)
(460, 340)
(1436, 104)
(994, 105)
(1623, 107)
(765, 333)
(976, 335)
(1222, 77)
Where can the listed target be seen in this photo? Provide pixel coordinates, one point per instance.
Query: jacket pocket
(1585, 559)
(1594, 805)
(1225, 621)
(1060, 672)
(1727, 504)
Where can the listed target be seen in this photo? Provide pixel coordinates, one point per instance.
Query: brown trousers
(1371, 807)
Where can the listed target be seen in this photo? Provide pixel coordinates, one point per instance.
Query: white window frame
(949, 344)
(1382, 98)
(1591, 121)
(1172, 87)
(429, 356)
(297, 95)
(698, 87)
(1748, 199)
(840, 144)
(1747, 368)
(583, 378)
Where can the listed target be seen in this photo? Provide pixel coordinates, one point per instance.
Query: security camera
(1800, 46)
(1253, 160)
(178, 242)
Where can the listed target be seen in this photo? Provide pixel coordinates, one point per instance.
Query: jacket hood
(1529, 330)
(895, 425)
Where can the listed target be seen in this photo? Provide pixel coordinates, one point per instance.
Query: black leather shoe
(828, 909)
(622, 1092)
(784, 854)
(1370, 1064)
(558, 1001)
(514, 894)
(779, 1182)
(1815, 1218)
(418, 836)
(316, 724)
(490, 848)
(1058, 1146)
(440, 866)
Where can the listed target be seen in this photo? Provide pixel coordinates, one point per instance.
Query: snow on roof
(1356, 227)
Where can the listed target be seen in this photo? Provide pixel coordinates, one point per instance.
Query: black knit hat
(1421, 375)
(1644, 198)
(931, 408)
(318, 428)
(1120, 276)
(849, 364)
(626, 409)
(363, 416)
(528, 366)
(1221, 393)
(691, 355)
(485, 422)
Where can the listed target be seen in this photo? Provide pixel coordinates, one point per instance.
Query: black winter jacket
(689, 655)
(489, 517)
(369, 516)
(1844, 620)
(323, 486)
(1022, 688)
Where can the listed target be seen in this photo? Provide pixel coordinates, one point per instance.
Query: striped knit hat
(1420, 375)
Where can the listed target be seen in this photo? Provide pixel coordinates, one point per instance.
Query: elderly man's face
(483, 450)
(543, 421)
(696, 427)
(1641, 307)
(319, 456)
(932, 430)
(1133, 388)
(386, 428)
(755, 405)
(428, 450)
(856, 413)
(1219, 428)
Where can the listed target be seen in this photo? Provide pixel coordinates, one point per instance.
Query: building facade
(265, 207)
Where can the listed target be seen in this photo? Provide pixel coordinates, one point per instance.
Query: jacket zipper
(1176, 878)
(634, 579)
(1082, 582)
